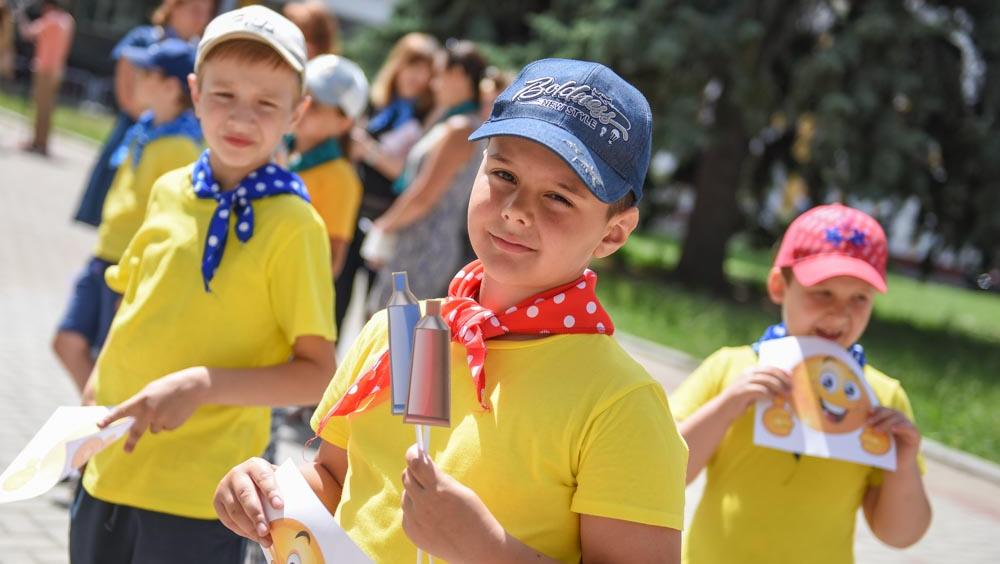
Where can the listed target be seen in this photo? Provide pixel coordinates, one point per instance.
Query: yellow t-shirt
(576, 426)
(335, 191)
(128, 196)
(765, 505)
(267, 292)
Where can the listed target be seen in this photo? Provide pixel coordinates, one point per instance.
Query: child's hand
(756, 383)
(442, 516)
(907, 435)
(238, 499)
(163, 405)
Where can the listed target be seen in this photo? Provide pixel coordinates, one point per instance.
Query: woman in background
(318, 25)
(428, 219)
(401, 97)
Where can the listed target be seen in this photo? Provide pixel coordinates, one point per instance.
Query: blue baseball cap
(596, 121)
(172, 57)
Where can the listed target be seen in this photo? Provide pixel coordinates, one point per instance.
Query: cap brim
(602, 180)
(206, 47)
(139, 57)
(816, 269)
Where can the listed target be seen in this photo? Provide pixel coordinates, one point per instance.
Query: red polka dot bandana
(572, 308)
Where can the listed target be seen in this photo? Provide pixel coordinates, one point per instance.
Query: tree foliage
(867, 98)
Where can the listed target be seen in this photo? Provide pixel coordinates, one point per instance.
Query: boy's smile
(244, 109)
(837, 309)
(533, 222)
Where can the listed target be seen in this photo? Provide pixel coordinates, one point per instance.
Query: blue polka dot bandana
(778, 331)
(268, 180)
(144, 132)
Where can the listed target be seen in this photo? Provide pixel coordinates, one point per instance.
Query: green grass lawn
(942, 342)
(95, 126)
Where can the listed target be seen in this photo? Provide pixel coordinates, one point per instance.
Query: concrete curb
(954, 458)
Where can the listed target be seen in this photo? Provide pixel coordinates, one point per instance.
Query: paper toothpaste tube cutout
(429, 400)
(404, 313)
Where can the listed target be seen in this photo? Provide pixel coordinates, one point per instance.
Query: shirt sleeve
(901, 403)
(342, 221)
(633, 462)
(301, 285)
(362, 355)
(702, 385)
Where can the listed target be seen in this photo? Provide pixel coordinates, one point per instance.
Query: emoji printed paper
(825, 414)
(303, 531)
(64, 443)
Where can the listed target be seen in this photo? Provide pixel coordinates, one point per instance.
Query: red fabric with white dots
(571, 308)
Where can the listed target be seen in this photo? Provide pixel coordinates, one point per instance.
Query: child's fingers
(249, 503)
(262, 474)
(131, 406)
(420, 467)
(232, 516)
(776, 375)
(136, 431)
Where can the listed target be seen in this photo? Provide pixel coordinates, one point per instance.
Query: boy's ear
(620, 226)
(776, 286)
(299, 111)
(195, 92)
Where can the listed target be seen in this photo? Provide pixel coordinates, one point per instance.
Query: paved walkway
(40, 251)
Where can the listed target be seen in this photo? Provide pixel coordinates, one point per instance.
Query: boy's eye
(559, 199)
(504, 175)
(861, 300)
(268, 104)
(223, 95)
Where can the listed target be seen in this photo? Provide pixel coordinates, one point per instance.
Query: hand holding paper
(240, 498)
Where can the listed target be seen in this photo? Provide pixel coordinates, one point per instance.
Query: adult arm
(431, 183)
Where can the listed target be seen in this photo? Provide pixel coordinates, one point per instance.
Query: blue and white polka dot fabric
(268, 180)
(779, 331)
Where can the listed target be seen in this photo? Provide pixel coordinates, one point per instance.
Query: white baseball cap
(256, 23)
(335, 81)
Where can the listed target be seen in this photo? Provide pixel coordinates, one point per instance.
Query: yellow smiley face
(294, 543)
(828, 396)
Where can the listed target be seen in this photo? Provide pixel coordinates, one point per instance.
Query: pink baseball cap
(834, 240)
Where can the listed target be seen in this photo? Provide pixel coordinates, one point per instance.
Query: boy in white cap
(227, 309)
(318, 149)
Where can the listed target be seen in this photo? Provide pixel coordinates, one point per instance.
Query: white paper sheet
(830, 402)
(64, 443)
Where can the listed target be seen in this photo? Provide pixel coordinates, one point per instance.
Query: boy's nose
(516, 210)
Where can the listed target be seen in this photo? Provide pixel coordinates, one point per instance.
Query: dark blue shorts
(107, 533)
(91, 305)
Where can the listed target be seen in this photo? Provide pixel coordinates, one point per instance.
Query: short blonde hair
(414, 47)
(249, 52)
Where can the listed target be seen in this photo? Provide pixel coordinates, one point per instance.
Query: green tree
(870, 98)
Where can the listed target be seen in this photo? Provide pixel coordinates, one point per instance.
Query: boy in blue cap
(562, 447)
(166, 136)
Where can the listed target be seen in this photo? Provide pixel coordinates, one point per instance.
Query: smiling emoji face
(294, 543)
(828, 396)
